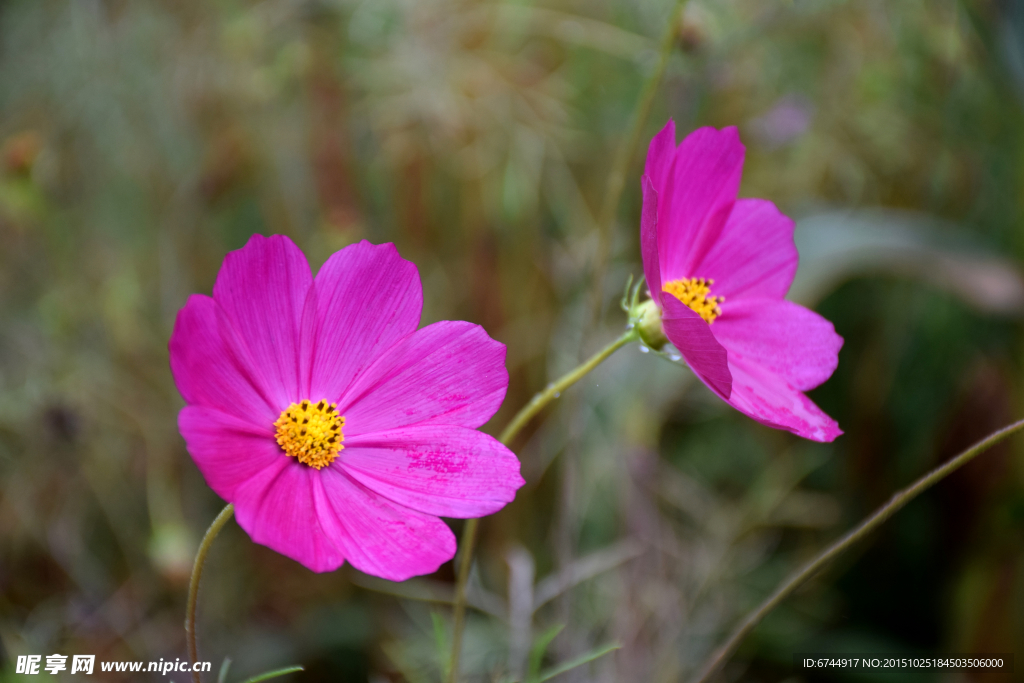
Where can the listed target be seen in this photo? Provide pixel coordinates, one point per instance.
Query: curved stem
(193, 585)
(536, 404)
(555, 389)
(627, 151)
(900, 499)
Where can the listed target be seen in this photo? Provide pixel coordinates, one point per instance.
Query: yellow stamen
(694, 292)
(311, 432)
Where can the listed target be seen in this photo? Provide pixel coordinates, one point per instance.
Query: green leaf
(222, 677)
(540, 646)
(441, 641)
(579, 661)
(274, 674)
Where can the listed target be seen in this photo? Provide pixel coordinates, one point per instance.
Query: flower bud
(647, 317)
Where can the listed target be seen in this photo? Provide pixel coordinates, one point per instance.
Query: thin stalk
(193, 585)
(627, 151)
(536, 404)
(900, 499)
(459, 608)
(554, 390)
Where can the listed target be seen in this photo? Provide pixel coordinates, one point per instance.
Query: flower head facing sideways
(340, 431)
(717, 268)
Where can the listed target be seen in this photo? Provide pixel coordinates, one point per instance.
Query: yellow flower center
(311, 432)
(695, 293)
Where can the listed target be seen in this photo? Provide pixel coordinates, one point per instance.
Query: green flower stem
(459, 607)
(193, 585)
(900, 499)
(627, 151)
(539, 401)
(555, 389)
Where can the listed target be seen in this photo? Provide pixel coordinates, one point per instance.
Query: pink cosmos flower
(337, 428)
(718, 268)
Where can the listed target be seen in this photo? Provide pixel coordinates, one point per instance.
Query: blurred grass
(140, 141)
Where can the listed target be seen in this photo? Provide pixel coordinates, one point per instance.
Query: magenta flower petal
(755, 255)
(692, 336)
(694, 201)
(660, 155)
(278, 508)
(377, 536)
(262, 288)
(364, 300)
(771, 400)
(211, 366)
(782, 337)
(228, 451)
(446, 373)
(436, 469)
(649, 238)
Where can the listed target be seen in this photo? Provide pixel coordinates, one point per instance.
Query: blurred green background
(140, 140)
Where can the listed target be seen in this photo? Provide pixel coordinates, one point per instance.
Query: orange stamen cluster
(695, 292)
(311, 432)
